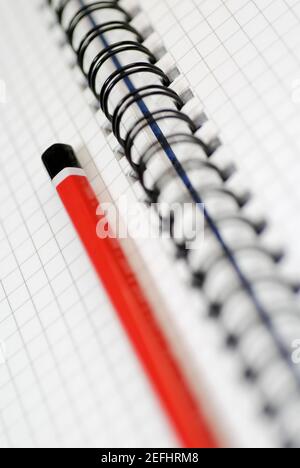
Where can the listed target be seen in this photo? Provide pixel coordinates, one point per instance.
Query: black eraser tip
(59, 157)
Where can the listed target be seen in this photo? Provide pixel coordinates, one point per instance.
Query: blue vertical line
(283, 350)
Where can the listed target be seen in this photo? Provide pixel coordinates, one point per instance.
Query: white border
(67, 172)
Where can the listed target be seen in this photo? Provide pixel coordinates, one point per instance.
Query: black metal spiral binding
(87, 11)
(133, 98)
(126, 72)
(107, 54)
(224, 204)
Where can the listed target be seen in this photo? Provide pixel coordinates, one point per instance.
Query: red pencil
(128, 300)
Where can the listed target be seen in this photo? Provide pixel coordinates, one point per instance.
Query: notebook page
(242, 59)
(220, 54)
(199, 344)
(68, 377)
(197, 337)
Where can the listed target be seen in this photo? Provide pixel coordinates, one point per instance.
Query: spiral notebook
(165, 102)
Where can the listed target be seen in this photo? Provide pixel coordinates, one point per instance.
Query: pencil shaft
(136, 315)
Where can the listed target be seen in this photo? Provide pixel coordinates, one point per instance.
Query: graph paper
(70, 377)
(242, 59)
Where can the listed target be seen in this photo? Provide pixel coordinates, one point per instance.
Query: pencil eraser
(59, 157)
